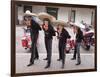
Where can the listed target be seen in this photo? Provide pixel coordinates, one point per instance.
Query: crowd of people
(49, 32)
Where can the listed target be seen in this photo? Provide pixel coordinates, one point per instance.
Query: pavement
(22, 60)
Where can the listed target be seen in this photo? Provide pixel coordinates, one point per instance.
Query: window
(52, 11)
(92, 18)
(73, 13)
(26, 7)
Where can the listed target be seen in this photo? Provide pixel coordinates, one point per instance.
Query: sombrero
(79, 25)
(59, 22)
(28, 13)
(44, 15)
(71, 23)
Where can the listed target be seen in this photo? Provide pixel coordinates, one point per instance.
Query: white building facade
(63, 13)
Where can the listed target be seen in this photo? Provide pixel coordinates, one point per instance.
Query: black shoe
(36, 58)
(45, 59)
(73, 58)
(47, 66)
(30, 64)
(78, 63)
(59, 59)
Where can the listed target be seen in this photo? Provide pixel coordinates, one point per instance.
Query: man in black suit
(49, 32)
(34, 30)
(63, 35)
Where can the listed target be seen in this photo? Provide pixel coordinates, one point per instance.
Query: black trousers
(48, 45)
(62, 53)
(34, 51)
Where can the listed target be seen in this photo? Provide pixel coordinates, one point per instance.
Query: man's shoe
(47, 66)
(45, 59)
(30, 64)
(73, 58)
(78, 63)
(59, 59)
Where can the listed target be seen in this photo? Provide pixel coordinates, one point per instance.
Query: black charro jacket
(35, 26)
(79, 36)
(49, 33)
(63, 36)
